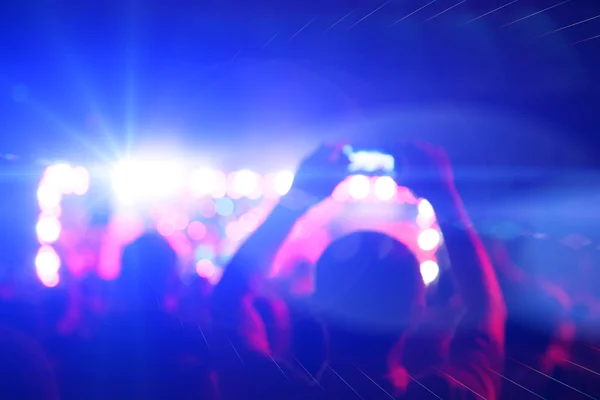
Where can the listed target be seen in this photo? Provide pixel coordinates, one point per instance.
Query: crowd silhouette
(369, 330)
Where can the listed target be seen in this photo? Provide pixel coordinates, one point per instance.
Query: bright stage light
(49, 197)
(385, 188)
(205, 182)
(80, 182)
(50, 281)
(282, 183)
(196, 230)
(429, 271)
(47, 261)
(359, 187)
(136, 181)
(246, 182)
(205, 269)
(47, 264)
(60, 177)
(234, 231)
(249, 222)
(224, 207)
(429, 239)
(426, 209)
(166, 227)
(48, 229)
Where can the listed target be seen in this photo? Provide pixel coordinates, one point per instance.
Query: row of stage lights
(138, 182)
(143, 182)
(58, 180)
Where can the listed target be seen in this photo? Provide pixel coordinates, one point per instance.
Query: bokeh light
(282, 183)
(204, 182)
(135, 181)
(385, 188)
(249, 222)
(257, 194)
(48, 229)
(234, 231)
(181, 220)
(166, 227)
(80, 182)
(47, 261)
(51, 280)
(426, 209)
(49, 197)
(216, 277)
(228, 248)
(246, 182)
(158, 184)
(423, 222)
(205, 268)
(359, 187)
(429, 271)
(60, 177)
(429, 239)
(220, 189)
(224, 206)
(207, 208)
(196, 230)
(181, 244)
(205, 251)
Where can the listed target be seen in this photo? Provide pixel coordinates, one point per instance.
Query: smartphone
(368, 161)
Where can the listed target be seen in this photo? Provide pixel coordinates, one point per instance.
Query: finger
(340, 161)
(337, 153)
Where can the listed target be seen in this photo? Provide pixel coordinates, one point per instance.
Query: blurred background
(188, 118)
(510, 89)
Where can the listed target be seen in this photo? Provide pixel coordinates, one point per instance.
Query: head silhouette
(368, 283)
(148, 265)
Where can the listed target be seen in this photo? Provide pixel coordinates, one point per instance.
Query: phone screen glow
(369, 161)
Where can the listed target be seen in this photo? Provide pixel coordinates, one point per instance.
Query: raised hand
(320, 172)
(426, 170)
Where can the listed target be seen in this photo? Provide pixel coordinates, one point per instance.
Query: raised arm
(478, 345)
(315, 179)
(430, 175)
(472, 267)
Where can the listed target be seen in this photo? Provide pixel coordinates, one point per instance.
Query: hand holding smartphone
(369, 162)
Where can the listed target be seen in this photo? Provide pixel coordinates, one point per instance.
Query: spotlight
(146, 181)
(204, 182)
